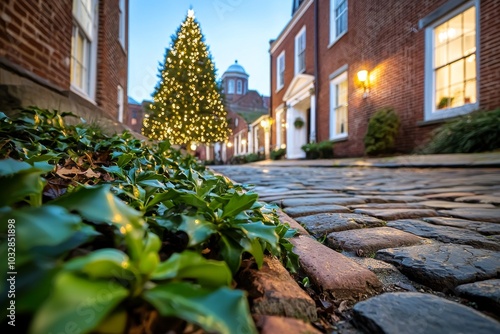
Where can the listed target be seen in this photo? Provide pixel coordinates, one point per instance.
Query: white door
(296, 138)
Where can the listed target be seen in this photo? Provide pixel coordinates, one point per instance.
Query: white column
(207, 152)
(312, 135)
(250, 140)
(267, 142)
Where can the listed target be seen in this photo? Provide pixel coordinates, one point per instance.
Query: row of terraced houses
(339, 61)
(65, 55)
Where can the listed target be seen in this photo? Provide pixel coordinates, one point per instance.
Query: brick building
(66, 55)
(245, 110)
(135, 115)
(430, 60)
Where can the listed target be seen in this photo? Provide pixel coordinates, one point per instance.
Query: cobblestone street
(426, 236)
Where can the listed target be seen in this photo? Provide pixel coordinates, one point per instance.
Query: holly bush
(112, 233)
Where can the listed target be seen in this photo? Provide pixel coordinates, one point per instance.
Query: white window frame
(334, 34)
(119, 102)
(230, 86)
(122, 22)
(280, 71)
(333, 106)
(239, 87)
(430, 112)
(299, 51)
(85, 23)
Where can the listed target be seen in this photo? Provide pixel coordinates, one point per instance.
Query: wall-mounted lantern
(363, 79)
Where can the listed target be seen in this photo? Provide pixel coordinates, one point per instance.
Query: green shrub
(475, 132)
(110, 223)
(252, 157)
(321, 150)
(382, 130)
(278, 153)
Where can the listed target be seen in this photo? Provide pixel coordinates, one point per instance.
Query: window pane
(470, 67)
(440, 34)
(457, 72)
(470, 92)
(442, 77)
(442, 98)
(341, 120)
(455, 50)
(470, 20)
(457, 93)
(455, 27)
(441, 56)
(469, 43)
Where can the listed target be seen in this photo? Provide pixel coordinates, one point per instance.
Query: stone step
(324, 223)
(333, 272)
(365, 242)
(273, 325)
(485, 215)
(394, 214)
(481, 227)
(306, 210)
(279, 198)
(445, 234)
(321, 201)
(449, 195)
(391, 198)
(284, 218)
(274, 292)
(410, 312)
(480, 199)
(379, 206)
(486, 294)
(456, 205)
(443, 266)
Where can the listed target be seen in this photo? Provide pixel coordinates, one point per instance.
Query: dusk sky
(233, 29)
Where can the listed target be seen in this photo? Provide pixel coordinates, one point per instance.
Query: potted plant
(298, 123)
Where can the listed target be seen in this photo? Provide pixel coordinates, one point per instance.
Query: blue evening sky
(233, 29)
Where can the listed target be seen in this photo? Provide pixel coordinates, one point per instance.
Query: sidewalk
(408, 250)
(491, 159)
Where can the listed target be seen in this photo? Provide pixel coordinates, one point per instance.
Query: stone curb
(274, 292)
(334, 272)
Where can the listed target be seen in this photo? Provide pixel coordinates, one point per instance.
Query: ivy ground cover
(109, 234)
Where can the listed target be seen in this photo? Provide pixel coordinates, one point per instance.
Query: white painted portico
(298, 99)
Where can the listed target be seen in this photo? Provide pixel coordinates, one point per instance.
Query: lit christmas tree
(187, 107)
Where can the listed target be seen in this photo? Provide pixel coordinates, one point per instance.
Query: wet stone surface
(298, 211)
(485, 293)
(481, 227)
(454, 213)
(445, 234)
(487, 215)
(393, 214)
(323, 223)
(367, 241)
(443, 266)
(410, 312)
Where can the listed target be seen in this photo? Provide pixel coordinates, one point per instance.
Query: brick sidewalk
(395, 229)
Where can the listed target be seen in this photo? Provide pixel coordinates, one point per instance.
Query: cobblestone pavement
(413, 240)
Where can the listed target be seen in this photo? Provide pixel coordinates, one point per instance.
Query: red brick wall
(36, 35)
(489, 56)
(288, 44)
(112, 58)
(391, 48)
(137, 111)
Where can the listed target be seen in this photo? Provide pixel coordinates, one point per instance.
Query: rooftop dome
(236, 68)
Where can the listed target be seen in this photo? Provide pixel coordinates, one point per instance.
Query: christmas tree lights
(188, 106)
